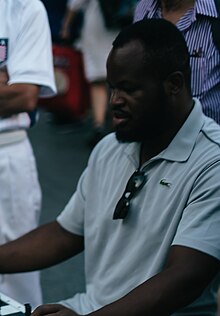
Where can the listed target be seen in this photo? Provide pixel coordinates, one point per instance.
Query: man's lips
(119, 117)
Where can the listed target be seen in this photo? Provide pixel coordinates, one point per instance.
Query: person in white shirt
(26, 72)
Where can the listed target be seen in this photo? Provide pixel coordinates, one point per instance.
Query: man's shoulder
(108, 146)
(108, 143)
(19, 5)
(145, 8)
(211, 131)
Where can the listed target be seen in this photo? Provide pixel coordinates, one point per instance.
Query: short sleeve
(30, 59)
(199, 226)
(72, 217)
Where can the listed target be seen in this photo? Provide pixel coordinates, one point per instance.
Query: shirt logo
(165, 183)
(3, 50)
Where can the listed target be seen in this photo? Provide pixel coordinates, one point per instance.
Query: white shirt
(25, 50)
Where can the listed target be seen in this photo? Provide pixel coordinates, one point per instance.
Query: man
(146, 209)
(26, 71)
(194, 19)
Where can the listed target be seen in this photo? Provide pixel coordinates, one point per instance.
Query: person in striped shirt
(193, 18)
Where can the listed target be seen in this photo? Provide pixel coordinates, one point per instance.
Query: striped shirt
(204, 56)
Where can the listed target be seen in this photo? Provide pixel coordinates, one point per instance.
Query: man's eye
(129, 89)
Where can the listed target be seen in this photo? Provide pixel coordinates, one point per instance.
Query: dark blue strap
(216, 26)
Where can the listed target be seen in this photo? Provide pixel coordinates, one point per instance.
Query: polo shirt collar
(151, 8)
(182, 144)
(202, 7)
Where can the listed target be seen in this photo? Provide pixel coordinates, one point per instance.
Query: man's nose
(116, 97)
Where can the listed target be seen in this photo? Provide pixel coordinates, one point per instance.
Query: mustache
(119, 112)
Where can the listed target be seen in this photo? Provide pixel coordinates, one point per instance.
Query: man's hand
(3, 77)
(53, 309)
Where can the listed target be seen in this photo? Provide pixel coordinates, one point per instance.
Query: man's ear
(174, 83)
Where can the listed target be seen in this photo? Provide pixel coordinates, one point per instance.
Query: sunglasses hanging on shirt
(134, 185)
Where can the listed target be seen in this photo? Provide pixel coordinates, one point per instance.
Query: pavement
(61, 156)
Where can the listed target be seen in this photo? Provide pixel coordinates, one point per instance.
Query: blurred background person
(95, 43)
(56, 11)
(194, 18)
(26, 70)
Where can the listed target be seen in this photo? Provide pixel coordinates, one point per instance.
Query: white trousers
(20, 204)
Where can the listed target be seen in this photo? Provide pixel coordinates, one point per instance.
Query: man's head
(149, 74)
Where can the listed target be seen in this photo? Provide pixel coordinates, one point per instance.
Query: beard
(147, 126)
(132, 134)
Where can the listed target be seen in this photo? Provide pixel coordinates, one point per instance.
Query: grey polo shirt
(179, 205)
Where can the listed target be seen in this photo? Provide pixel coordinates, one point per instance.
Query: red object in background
(72, 99)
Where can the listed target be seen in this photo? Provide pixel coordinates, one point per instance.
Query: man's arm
(186, 275)
(43, 247)
(17, 98)
(67, 21)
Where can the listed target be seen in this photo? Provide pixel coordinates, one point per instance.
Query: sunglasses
(134, 185)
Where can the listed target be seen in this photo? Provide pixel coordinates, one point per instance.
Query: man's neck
(173, 10)
(176, 5)
(152, 147)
